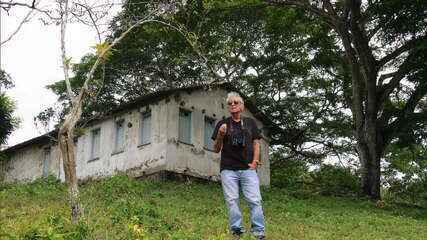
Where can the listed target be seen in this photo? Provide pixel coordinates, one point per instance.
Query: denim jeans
(248, 181)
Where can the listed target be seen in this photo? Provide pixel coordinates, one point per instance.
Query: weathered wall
(25, 165)
(135, 159)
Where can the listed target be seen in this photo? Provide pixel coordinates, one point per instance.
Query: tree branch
(24, 20)
(65, 62)
(405, 47)
(8, 5)
(406, 114)
(305, 4)
(383, 91)
(95, 25)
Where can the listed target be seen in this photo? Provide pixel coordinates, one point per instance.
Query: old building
(168, 131)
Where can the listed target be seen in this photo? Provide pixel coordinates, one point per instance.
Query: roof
(145, 100)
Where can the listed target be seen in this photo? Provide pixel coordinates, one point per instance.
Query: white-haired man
(237, 138)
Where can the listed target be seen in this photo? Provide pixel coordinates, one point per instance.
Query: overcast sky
(32, 58)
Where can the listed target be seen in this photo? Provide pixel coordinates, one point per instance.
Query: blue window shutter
(209, 128)
(120, 135)
(46, 159)
(96, 143)
(145, 128)
(184, 126)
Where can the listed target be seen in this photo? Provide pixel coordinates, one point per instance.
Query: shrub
(335, 180)
(411, 191)
(287, 173)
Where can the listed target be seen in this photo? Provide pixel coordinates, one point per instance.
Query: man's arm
(218, 143)
(219, 138)
(255, 160)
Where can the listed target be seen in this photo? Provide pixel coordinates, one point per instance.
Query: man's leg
(250, 187)
(230, 187)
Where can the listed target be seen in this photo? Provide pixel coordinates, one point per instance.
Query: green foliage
(331, 180)
(7, 120)
(287, 173)
(406, 175)
(5, 81)
(410, 192)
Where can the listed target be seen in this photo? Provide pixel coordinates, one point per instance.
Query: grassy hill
(123, 208)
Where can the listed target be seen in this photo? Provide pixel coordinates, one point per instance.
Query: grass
(123, 208)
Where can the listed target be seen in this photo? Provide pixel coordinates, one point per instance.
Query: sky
(33, 60)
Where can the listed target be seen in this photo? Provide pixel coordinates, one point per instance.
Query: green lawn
(122, 208)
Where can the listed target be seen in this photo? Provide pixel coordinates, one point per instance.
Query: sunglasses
(233, 103)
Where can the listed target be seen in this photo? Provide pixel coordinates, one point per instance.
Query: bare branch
(33, 6)
(24, 20)
(7, 5)
(94, 24)
(65, 62)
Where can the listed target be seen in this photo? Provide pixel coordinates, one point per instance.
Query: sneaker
(237, 233)
(258, 235)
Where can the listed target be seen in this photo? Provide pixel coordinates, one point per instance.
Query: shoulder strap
(228, 124)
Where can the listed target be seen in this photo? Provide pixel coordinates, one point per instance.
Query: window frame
(47, 155)
(142, 116)
(205, 134)
(92, 156)
(180, 139)
(117, 148)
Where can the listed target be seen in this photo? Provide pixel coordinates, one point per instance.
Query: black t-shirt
(236, 157)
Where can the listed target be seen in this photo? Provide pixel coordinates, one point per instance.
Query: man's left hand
(253, 165)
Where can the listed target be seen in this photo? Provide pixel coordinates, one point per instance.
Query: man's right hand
(222, 130)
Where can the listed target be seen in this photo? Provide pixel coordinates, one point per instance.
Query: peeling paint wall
(26, 165)
(164, 152)
(134, 158)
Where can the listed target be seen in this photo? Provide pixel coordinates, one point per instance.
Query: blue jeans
(249, 183)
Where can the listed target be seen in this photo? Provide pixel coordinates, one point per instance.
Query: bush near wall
(331, 180)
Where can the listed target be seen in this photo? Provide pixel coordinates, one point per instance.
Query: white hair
(234, 94)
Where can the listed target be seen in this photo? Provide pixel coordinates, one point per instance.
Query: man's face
(235, 105)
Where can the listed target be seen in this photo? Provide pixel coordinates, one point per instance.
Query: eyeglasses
(233, 102)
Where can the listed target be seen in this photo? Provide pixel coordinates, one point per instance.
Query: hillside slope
(123, 208)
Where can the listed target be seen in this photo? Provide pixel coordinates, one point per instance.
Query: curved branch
(405, 47)
(24, 20)
(407, 114)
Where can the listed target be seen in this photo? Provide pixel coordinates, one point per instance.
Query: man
(237, 138)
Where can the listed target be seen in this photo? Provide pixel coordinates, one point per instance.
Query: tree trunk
(370, 165)
(66, 144)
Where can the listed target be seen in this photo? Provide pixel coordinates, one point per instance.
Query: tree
(385, 49)
(7, 107)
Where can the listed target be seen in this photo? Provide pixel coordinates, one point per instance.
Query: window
(209, 128)
(46, 159)
(119, 141)
(145, 128)
(95, 143)
(184, 126)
